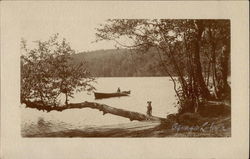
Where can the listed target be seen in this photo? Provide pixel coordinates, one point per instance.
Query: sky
(76, 23)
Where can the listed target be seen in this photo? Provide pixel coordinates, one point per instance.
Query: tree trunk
(66, 100)
(224, 89)
(225, 65)
(198, 73)
(101, 107)
(214, 69)
(198, 69)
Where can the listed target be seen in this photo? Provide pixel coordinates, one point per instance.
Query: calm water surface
(159, 90)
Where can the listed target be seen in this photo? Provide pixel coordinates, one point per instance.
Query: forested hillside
(121, 63)
(126, 63)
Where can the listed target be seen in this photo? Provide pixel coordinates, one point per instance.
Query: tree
(219, 39)
(179, 44)
(48, 70)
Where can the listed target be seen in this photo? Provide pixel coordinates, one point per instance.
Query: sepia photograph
(163, 78)
(124, 79)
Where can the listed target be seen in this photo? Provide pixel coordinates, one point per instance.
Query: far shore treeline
(126, 63)
(120, 63)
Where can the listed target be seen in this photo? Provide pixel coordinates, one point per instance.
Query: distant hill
(124, 63)
(120, 63)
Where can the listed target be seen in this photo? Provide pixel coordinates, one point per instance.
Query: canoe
(99, 95)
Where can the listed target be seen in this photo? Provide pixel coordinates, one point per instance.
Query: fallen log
(101, 107)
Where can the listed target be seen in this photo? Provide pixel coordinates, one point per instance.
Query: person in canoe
(149, 108)
(118, 90)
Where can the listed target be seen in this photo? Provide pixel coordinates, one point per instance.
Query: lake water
(159, 90)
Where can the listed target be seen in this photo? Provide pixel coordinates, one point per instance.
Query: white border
(13, 146)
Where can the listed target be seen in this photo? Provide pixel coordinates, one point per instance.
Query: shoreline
(184, 125)
(142, 129)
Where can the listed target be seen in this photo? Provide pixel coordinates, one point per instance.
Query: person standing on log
(149, 108)
(118, 90)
